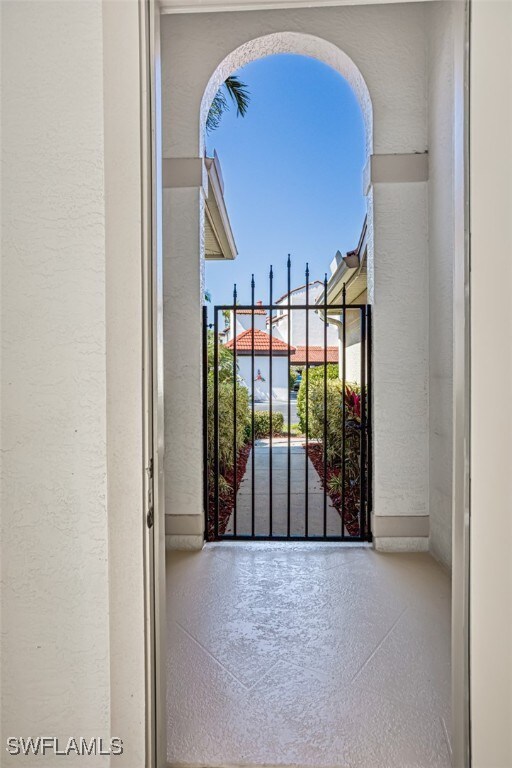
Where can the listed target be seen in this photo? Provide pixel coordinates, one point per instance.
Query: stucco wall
(298, 322)
(386, 42)
(441, 54)
(491, 359)
(71, 376)
(388, 46)
(245, 323)
(400, 350)
(54, 525)
(280, 385)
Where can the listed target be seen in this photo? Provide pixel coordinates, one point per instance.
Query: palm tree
(239, 95)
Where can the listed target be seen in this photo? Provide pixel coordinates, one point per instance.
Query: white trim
(395, 169)
(213, 6)
(216, 211)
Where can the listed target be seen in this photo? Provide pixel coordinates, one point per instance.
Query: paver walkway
(315, 494)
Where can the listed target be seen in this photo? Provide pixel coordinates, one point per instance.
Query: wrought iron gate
(261, 482)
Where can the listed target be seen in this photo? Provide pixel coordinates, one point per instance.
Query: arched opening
(246, 619)
(302, 45)
(293, 172)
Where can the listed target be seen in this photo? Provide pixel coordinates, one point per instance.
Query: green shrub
(226, 411)
(262, 424)
(314, 376)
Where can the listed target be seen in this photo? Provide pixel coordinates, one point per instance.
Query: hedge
(262, 424)
(314, 375)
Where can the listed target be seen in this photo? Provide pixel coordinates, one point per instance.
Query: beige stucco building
(80, 621)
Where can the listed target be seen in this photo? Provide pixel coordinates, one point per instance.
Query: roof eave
(217, 214)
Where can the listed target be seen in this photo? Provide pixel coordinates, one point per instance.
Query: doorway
(390, 190)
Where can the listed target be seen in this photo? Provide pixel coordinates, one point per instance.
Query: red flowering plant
(325, 430)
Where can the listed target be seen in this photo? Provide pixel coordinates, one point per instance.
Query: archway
(293, 173)
(300, 44)
(196, 58)
(397, 206)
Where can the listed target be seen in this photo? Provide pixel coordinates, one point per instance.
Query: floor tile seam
(211, 655)
(380, 644)
(446, 736)
(399, 702)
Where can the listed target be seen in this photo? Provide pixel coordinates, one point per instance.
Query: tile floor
(288, 654)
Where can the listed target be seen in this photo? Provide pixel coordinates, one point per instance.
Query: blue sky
(292, 172)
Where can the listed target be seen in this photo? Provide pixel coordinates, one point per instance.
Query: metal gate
(266, 477)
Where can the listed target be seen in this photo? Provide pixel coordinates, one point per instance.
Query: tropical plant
(237, 93)
(325, 421)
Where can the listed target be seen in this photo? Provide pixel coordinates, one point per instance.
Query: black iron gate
(266, 477)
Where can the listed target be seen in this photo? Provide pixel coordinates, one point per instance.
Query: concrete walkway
(298, 465)
(281, 406)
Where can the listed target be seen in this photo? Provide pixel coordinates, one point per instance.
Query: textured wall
(183, 211)
(54, 526)
(280, 379)
(381, 50)
(387, 44)
(72, 543)
(491, 372)
(400, 349)
(441, 248)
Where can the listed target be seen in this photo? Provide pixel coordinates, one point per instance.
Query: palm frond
(239, 95)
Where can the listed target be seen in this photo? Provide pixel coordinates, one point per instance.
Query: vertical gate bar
(289, 484)
(234, 414)
(252, 409)
(362, 471)
(206, 493)
(271, 277)
(369, 480)
(325, 405)
(216, 420)
(306, 483)
(343, 405)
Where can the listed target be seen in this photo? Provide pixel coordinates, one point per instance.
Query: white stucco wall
(491, 357)
(441, 54)
(54, 537)
(244, 323)
(400, 350)
(280, 385)
(353, 363)
(386, 42)
(298, 322)
(388, 45)
(71, 377)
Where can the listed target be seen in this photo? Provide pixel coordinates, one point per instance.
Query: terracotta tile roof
(315, 355)
(261, 343)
